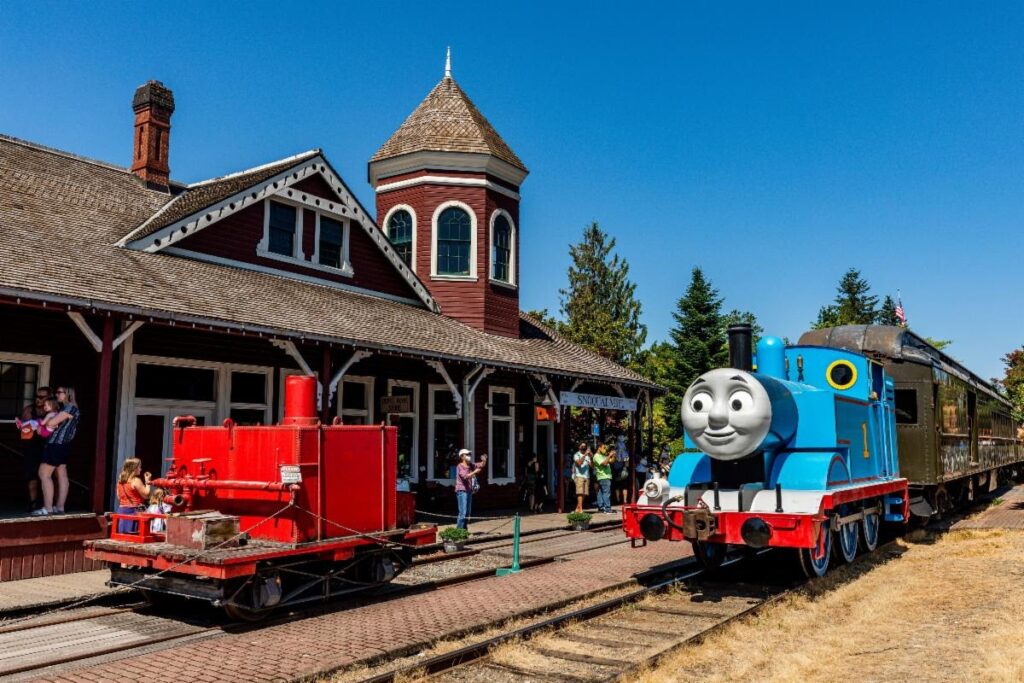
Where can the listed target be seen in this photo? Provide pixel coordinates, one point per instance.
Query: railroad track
(61, 637)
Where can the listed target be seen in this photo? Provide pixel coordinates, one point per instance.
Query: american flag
(899, 311)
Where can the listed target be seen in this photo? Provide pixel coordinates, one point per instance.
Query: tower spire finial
(448, 63)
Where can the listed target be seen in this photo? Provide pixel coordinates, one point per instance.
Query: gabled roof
(447, 121)
(202, 195)
(79, 208)
(205, 203)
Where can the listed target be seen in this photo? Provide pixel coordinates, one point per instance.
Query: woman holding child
(59, 426)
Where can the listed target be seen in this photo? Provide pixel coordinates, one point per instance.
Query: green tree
(938, 343)
(887, 313)
(599, 306)
(1013, 382)
(854, 304)
(735, 317)
(698, 342)
(544, 318)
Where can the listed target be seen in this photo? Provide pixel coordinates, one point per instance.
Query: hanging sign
(291, 474)
(545, 413)
(395, 404)
(571, 398)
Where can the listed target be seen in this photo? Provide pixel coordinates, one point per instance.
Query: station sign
(596, 401)
(395, 404)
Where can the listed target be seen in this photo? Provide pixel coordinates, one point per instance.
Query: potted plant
(454, 539)
(580, 520)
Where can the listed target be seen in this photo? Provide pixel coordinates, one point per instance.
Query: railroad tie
(574, 657)
(678, 612)
(589, 640)
(534, 673)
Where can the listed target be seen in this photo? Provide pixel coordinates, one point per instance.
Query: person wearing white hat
(466, 484)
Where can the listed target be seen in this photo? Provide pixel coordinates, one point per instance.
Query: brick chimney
(153, 104)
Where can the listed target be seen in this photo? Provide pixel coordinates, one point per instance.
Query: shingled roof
(205, 194)
(80, 208)
(447, 121)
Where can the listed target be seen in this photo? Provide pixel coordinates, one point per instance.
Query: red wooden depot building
(154, 299)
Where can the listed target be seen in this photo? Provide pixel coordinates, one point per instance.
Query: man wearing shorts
(581, 474)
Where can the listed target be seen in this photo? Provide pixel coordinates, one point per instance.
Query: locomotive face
(727, 413)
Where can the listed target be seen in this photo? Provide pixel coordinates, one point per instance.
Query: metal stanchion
(514, 569)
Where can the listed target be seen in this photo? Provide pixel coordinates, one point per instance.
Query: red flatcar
(265, 517)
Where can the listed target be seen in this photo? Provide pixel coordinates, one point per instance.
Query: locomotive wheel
(872, 523)
(814, 561)
(848, 536)
(709, 555)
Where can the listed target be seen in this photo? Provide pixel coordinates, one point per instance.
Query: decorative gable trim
(347, 207)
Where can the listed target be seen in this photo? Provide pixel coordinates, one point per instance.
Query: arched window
(454, 242)
(400, 234)
(501, 249)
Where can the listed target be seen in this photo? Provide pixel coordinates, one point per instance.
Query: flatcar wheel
(872, 522)
(709, 555)
(814, 561)
(848, 538)
(240, 613)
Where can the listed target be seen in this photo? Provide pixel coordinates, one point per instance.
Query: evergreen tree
(1013, 383)
(854, 304)
(887, 313)
(544, 318)
(735, 317)
(600, 307)
(939, 343)
(698, 342)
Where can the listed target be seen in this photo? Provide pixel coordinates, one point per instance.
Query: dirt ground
(949, 608)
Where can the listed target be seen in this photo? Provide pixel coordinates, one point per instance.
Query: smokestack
(153, 104)
(741, 351)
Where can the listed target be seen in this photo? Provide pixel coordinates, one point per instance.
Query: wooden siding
(237, 236)
(478, 303)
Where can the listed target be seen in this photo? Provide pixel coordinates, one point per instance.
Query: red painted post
(325, 382)
(99, 474)
(633, 456)
(560, 481)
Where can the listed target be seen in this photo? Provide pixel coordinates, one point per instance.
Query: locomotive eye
(701, 403)
(741, 400)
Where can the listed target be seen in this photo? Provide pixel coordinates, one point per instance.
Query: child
(52, 407)
(157, 506)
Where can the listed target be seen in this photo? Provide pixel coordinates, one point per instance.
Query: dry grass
(948, 610)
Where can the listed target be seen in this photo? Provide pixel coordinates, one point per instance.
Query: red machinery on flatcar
(264, 517)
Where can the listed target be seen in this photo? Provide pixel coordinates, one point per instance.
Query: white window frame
(510, 420)
(431, 418)
(472, 244)
(263, 248)
(366, 383)
(298, 257)
(511, 282)
(387, 231)
(43, 375)
(346, 261)
(414, 457)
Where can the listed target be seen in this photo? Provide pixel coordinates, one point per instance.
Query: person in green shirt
(603, 470)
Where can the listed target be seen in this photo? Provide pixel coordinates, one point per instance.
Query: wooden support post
(634, 417)
(99, 474)
(325, 387)
(560, 467)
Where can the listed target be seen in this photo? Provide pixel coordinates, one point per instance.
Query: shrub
(454, 534)
(576, 517)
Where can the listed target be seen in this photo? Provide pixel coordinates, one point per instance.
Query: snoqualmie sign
(596, 401)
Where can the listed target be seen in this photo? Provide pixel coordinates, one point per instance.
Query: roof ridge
(76, 157)
(295, 157)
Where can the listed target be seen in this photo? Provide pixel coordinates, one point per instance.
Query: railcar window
(906, 406)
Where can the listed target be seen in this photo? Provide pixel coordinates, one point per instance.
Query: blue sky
(772, 144)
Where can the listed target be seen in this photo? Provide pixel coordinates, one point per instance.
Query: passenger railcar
(800, 454)
(270, 516)
(955, 431)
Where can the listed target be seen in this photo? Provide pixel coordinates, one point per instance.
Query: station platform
(46, 591)
(1006, 511)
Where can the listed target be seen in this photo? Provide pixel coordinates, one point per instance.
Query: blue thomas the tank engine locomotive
(799, 453)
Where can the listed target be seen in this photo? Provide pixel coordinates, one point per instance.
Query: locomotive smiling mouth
(720, 437)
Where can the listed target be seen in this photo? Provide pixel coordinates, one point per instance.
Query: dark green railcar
(955, 431)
